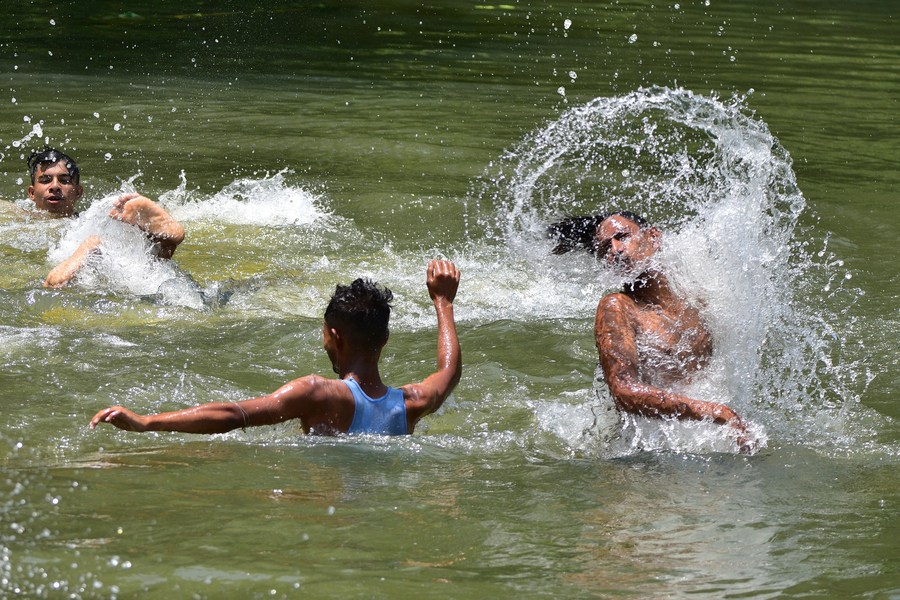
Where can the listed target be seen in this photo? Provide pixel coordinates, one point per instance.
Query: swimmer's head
(360, 313)
(580, 233)
(42, 159)
(55, 182)
(626, 242)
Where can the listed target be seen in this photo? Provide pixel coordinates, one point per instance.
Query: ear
(31, 192)
(78, 191)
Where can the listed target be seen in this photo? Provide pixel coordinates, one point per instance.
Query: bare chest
(671, 343)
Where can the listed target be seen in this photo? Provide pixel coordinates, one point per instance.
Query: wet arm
(288, 402)
(428, 396)
(615, 337)
(152, 219)
(62, 273)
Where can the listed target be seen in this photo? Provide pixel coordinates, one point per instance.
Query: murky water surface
(305, 145)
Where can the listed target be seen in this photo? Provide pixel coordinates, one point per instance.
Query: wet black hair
(361, 312)
(577, 233)
(50, 156)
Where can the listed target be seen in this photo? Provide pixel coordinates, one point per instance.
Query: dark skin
(324, 406)
(649, 329)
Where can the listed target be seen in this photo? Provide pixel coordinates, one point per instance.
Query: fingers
(440, 267)
(119, 203)
(103, 416)
(109, 415)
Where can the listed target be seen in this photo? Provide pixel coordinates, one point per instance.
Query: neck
(650, 287)
(364, 371)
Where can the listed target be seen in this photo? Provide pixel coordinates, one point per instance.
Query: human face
(622, 244)
(54, 190)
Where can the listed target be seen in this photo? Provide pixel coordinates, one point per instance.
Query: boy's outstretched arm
(296, 399)
(426, 397)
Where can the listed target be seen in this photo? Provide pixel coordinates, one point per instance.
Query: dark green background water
(392, 112)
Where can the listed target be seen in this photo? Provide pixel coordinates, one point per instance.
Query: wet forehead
(612, 226)
(57, 168)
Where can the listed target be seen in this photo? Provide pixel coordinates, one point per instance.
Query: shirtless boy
(355, 331)
(55, 188)
(647, 335)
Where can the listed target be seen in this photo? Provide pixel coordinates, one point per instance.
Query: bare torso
(672, 340)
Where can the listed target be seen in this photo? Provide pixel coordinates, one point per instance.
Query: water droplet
(107, 156)
(567, 23)
(633, 38)
(117, 127)
(561, 91)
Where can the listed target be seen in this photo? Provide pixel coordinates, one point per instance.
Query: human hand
(152, 219)
(746, 443)
(442, 280)
(135, 209)
(119, 417)
(62, 273)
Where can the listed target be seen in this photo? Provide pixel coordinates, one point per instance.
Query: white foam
(267, 201)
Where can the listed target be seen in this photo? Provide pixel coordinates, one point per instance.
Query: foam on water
(268, 201)
(722, 189)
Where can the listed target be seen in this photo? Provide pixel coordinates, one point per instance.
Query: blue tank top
(385, 415)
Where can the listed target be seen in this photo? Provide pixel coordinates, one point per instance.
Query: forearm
(62, 273)
(652, 401)
(215, 417)
(449, 354)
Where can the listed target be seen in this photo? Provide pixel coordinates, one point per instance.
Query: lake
(305, 144)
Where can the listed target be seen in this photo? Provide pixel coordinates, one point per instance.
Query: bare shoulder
(615, 303)
(417, 396)
(315, 388)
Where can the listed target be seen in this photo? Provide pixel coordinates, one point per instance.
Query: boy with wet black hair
(579, 233)
(56, 187)
(648, 336)
(355, 332)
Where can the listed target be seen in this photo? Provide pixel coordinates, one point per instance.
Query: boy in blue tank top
(355, 331)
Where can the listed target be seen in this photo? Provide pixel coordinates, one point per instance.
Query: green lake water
(305, 144)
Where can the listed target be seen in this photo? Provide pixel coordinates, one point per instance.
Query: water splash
(268, 201)
(722, 188)
(127, 263)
